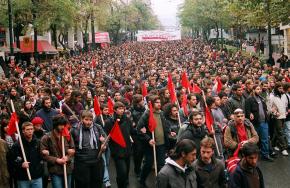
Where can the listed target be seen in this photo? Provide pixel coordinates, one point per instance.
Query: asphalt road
(276, 174)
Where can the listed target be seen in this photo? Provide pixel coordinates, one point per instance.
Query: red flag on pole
(11, 127)
(185, 82)
(287, 79)
(208, 119)
(65, 133)
(117, 135)
(110, 106)
(196, 89)
(219, 84)
(144, 90)
(151, 123)
(184, 105)
(94, 64)
(170, 87)
(97, 107)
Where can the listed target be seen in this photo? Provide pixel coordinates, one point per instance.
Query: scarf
(92, 138)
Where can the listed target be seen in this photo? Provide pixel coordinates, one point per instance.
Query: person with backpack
(247, 174)
(193, 130)
(239, 131)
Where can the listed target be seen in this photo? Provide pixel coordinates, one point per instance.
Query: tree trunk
(93, 46)
(54, 35)
(61, 40)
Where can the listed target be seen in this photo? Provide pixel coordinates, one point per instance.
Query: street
(276, 174)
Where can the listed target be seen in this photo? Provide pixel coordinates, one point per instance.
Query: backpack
(232, 162)
(181, 130)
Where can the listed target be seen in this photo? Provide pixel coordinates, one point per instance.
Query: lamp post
(10, 28)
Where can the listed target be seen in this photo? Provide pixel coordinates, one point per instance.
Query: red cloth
(97, 108)
(219, 84)
(94, 64)
(171, 89)
(110, 106)
(196, 89)
(208, 119)
(11, 127)
(117, 136)
(37, 120)
(65, 133)
(184, 105)
(185, 82)
(242, 133)
(151, 123)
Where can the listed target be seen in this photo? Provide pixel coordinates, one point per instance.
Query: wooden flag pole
(154, 154)
(20, 142)
(64, 165)
(214, 137)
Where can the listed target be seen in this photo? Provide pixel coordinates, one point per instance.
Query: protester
(247, 173)
(88, 140)
(34, 159)
(178, 170)
(51, 150)
(4, 174)
(121, 154)
(209, 170)
(239, 131)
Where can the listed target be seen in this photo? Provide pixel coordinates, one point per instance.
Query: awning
(7, 49)
(42, 47)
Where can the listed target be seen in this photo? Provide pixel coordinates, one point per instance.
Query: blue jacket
(47, 118)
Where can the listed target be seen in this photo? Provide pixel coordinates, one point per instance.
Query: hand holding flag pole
(152, 125)
(64, 165)
(20, 140)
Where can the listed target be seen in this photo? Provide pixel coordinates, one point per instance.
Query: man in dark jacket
(121, 155)
(161, 139)
(88, 138)
(237, 100)
(209, 170)
(247, 174)
(34, 160)
(194, 131)
(256, 111)
(46, 113)
(178, 171)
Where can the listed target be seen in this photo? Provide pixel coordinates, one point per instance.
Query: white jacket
(277, 104)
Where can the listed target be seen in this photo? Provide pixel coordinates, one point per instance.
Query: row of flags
(116, 133)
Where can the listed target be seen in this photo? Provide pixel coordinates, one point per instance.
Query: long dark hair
(184, 146)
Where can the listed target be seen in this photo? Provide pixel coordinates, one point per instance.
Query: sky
(166, 11)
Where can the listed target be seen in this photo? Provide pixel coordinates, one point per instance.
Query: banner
(158, 35)
(102, 37)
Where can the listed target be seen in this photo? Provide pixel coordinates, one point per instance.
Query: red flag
(185, 82)
(151, 123)
(110, 106)
(196, 89)
(97, 108)
(184, 105)
(117, 135)
(11, 127)
(287, 79)
(144, 90)
(170, 87)
(219, 84)
(94, 64)
(65, 133)
(208, 119)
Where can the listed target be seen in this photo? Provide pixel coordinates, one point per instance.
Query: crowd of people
(231, 107)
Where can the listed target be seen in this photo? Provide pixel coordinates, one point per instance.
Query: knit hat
(37, 120)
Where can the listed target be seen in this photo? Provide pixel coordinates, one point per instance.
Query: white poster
(158, 35)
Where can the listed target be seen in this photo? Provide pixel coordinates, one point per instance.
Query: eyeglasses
(239, 116)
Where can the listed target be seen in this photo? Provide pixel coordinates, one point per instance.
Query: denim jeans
(263, 132)
(106, 157)
(58, 181)
(36, 183)
(287, 131)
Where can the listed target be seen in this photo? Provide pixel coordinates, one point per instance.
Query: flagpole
(20, 141)
(154, 154)
(214, 137)
(64, 165)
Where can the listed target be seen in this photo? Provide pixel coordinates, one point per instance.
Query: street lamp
(8, 2)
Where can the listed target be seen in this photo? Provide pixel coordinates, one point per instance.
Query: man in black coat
(34, 159)
(121, 155)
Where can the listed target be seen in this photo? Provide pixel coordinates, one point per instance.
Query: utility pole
(35, 30)
(93, 46)
(269, 28)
